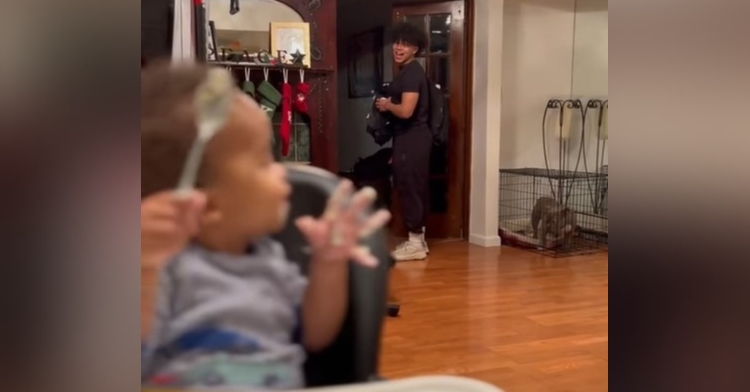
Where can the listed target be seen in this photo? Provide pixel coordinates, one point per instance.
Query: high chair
(353, 356)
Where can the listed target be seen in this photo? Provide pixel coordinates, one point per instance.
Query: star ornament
(297, 57)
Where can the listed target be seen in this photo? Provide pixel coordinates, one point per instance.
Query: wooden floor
(523, 322)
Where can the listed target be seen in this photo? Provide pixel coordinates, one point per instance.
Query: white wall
(591, 55)
(537, 66)
(591, 66)
(551, 49)
(357, 16)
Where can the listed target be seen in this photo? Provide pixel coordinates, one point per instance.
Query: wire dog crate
(585, 194)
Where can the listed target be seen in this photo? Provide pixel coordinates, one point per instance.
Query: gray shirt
(226, 320)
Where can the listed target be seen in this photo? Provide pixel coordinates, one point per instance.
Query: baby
(232, 310)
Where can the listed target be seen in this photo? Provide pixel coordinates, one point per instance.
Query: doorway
(447, 61)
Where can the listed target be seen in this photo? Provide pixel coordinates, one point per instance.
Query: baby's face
(248, 192)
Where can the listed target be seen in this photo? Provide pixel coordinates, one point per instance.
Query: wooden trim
(457, 178)
(469, 111)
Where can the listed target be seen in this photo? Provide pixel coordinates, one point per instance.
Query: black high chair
(354, 354)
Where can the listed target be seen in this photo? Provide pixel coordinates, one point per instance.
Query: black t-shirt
(411, 79)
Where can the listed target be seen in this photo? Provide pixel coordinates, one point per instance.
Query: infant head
(247, 191)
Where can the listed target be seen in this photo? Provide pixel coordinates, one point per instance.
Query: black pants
(411, 172)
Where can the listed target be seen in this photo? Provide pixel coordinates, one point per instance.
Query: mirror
(249, 29)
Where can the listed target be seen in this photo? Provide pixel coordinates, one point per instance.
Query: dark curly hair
(409, 34)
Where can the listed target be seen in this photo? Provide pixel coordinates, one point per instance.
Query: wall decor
(365, 62)
(291, 38)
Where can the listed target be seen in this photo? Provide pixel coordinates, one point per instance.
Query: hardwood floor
(523, 322)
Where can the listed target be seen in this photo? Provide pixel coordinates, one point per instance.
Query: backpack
(378, 125)
(438, 121)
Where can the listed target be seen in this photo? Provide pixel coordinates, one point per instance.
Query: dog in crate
(550, 218)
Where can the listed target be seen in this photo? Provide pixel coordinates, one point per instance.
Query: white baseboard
(485, 241)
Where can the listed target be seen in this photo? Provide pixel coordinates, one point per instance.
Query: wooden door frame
(467, 137)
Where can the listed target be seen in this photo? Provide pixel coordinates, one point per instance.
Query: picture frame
(365, 62)
(290, 37)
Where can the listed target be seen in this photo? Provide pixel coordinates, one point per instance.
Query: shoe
(409, 251)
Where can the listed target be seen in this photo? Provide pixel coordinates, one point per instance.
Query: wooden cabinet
(321, 14)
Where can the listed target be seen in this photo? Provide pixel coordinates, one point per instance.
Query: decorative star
(297, 57)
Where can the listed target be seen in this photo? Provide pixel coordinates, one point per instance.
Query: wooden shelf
(268, 66)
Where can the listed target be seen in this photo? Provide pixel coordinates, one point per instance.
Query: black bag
(378, 125)
(439, 120)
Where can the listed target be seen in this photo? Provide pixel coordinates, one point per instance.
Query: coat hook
(265, 73)
(302, 76)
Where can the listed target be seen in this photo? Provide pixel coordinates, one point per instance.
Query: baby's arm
(334, 239)
(325, 304)
(167, 224)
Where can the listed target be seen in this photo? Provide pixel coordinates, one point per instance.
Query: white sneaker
(424, 241)
(409, 250)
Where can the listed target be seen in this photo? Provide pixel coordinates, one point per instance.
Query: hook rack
(234, 65)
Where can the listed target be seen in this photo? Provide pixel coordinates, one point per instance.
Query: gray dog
(551, 217)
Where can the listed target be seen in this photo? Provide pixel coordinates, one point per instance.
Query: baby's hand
(168, 222)
(334, 237)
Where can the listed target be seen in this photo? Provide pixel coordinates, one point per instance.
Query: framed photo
(291, 37)
(365, 63)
